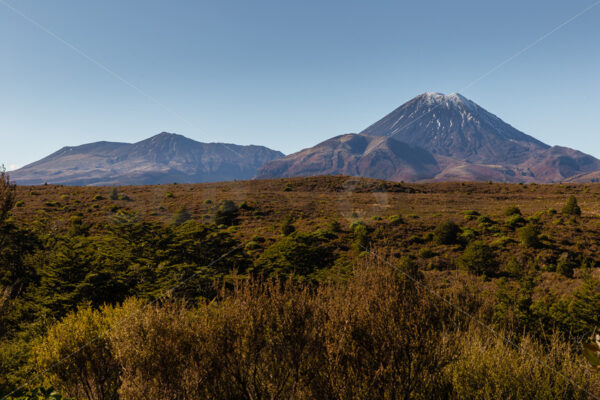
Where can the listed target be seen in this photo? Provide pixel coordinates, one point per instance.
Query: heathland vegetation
(313, 288)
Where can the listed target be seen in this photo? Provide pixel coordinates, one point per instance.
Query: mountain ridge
(163, 158)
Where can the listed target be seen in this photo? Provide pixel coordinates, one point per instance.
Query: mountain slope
(163, 158)
(456, 140)
(359, 155)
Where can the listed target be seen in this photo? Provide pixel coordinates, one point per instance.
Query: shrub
(479, 258)
(565, 265)
(490, 367)
(515, 221)
(426, 252)
(97, 198)
(529, 235)
(335, 226)
(571, 208)
(227, 213)
(512, 210)
(467, 235)
(287, 228)
(19, 203)
(299, 254)
(182, 215)
(114, 194)
(471, 215)
(396, 219)
(169, 195)
(446, 233)
(76, 356)
(361, 237)
(484, 219)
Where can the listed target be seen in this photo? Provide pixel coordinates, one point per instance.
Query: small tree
(565, 265)
(479, 258)
(530, 236)
(287, 228)
(114, 194)
(446, 233)
(227, 213)
(571, 208)
(7, 194)
(182, 215)
(512, 210)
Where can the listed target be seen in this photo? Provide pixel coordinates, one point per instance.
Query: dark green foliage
(299, 253)
(446, 233)
(571, 208)
(513, 210)
(530, 236)
(515, 220)
(114, 194)
(513, 304)
(479, 258)
(361, 236)
(227, 213)
(182, 215)
(287, 228)
(566, 264)
(246, 207)
(396, 220)
(7, 195)
(335, 226)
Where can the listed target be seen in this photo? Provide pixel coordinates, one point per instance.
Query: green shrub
(396, 219)
(335, 226)
(426, 252)
(471, 215)
(484, 219)
(114, 194)
(530, 236)
(571, 208)
(227, 213)
(566, 264)
(512, 210)
(97, 198)
(79, 344)
(446, 233)
(514, 221)
(467, 235)
(169, 195)
(479, 258)
(287, 228)
(19, 203)
(299, 253)
(182, 215)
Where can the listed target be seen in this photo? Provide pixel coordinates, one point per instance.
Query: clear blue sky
(286, 74)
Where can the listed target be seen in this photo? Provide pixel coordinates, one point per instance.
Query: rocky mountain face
(164, 158)
(442, 137)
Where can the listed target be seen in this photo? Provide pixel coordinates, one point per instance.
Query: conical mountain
(454, 126)
(441, 137)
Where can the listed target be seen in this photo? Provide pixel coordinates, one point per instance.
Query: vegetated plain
(320, 287)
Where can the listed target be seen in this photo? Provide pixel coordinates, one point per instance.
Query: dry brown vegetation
(331, 288)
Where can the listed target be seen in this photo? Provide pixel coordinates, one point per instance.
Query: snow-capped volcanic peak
(454, 126)
(448, 101)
